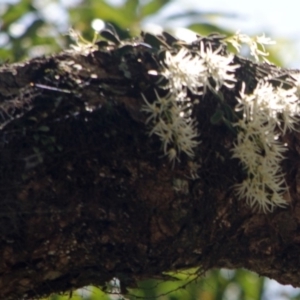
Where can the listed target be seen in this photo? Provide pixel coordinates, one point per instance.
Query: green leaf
(229, 112)
(207, 28)
(43, 128)
(110, 36)
(109, 13)
(130, 8)
(198, 15)
(230, 126)
(170, 39)
(153, 7)
(154, 41)
(217, 117)
(5, 55)
(15, 12)
(121, 51)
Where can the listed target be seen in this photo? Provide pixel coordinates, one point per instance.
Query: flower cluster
(216, 67)
(296, 83)
(256, 44)
(170, 116)
(172, 124)
(82, 45)
(198, 71)
(268, 112)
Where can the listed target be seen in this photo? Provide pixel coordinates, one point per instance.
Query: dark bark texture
(86, 193)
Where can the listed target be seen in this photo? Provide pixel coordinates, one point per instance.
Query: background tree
(35, 40)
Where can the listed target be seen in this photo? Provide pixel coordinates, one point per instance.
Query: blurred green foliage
(30, 28)
(216, 285)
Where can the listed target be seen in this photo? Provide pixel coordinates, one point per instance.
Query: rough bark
(87, 195)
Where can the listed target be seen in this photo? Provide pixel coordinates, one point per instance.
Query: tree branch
(87, 194)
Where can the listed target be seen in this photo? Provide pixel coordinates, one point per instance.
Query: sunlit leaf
(153, 7)
(130, 8)
(193, 14)
(207, 28)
